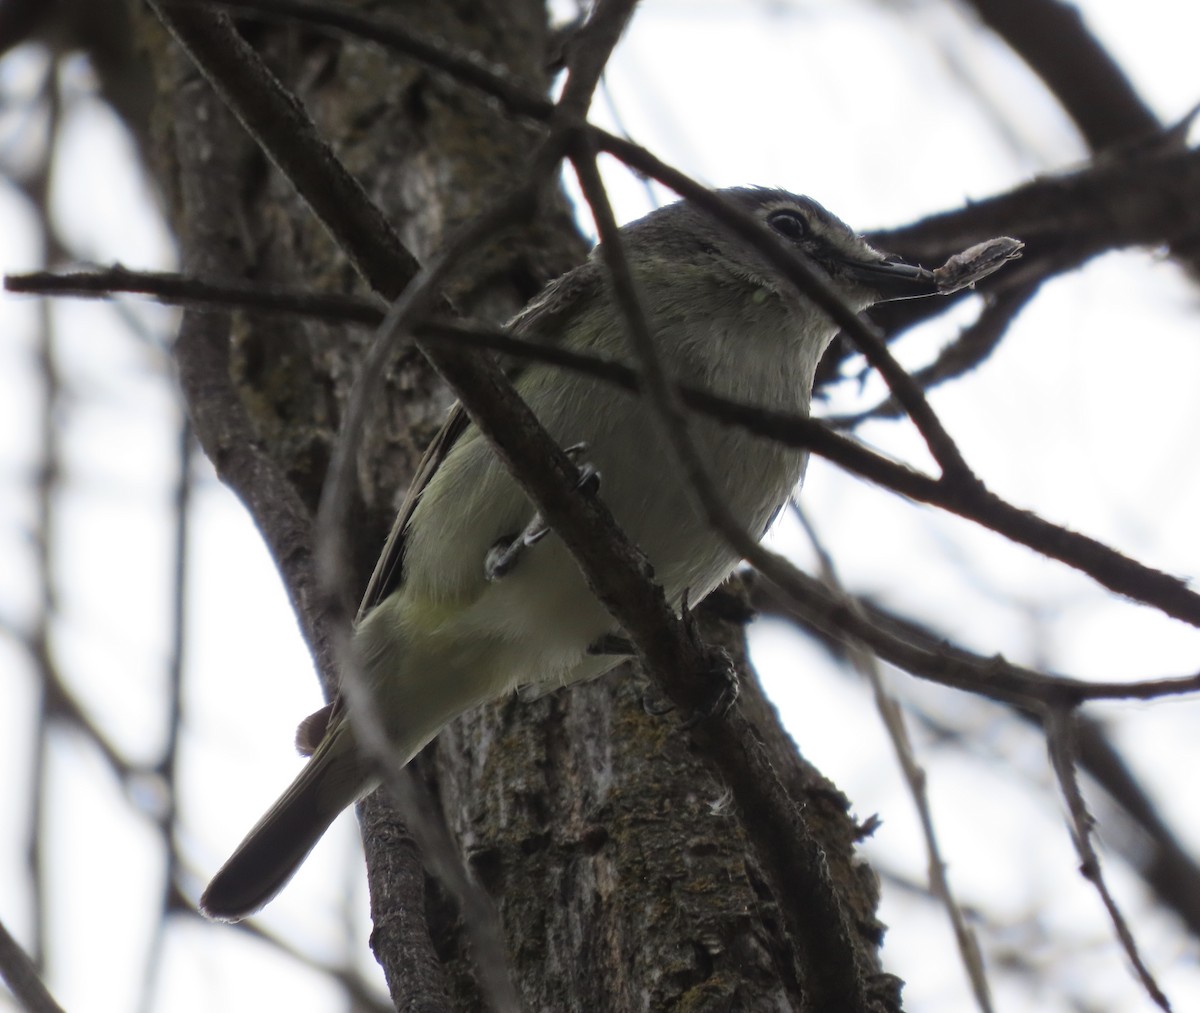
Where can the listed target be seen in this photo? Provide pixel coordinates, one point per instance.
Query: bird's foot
(507, 550)
(612, 644)
(721, 689)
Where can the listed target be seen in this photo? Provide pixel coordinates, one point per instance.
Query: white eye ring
(789, 224)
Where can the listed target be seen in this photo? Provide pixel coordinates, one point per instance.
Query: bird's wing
(390, 568)
(544, 320)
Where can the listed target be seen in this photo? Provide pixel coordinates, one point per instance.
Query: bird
(474, 597)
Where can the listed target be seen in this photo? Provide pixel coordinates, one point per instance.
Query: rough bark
(624, 877)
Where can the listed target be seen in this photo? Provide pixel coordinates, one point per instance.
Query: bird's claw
(507, 550)
(505, 553)
(721, 683)
(612, 644)
(589, 477)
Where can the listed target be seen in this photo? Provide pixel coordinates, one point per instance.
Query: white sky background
(1084, 415)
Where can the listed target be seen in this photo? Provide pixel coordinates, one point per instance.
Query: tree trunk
(624, 876)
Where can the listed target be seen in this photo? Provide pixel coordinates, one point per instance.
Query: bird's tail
(333, 779)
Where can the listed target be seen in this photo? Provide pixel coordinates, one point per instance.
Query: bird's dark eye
(789, 224)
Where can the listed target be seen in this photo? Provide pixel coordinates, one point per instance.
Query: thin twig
(213, 44)
(22, 978)
(892, 716)
(1060, 742)
(659, 388)
(166, 769)
(910, 647)
(279, 124)
(182, 290)
(970, 348)
(589, 50)
(40, 640)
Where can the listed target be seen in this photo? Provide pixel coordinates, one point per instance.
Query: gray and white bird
(453, 619)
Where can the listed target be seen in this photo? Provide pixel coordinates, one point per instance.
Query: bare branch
(1053, 38)
(1105, 565)
(961, 355)
(21, 976)
(1166, 865)
(1139, 197)
(1060, 742)
(181, 290)
(166, 769)
(277, 121)
(867, 664)
(928, 656)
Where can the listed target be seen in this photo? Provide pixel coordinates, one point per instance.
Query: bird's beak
(893, 279)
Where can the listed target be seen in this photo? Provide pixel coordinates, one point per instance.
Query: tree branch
(1105, 565)
(1053, 39)
(21, 976)
(1059, 726)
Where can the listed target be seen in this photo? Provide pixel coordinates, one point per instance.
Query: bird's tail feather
(333, 779)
